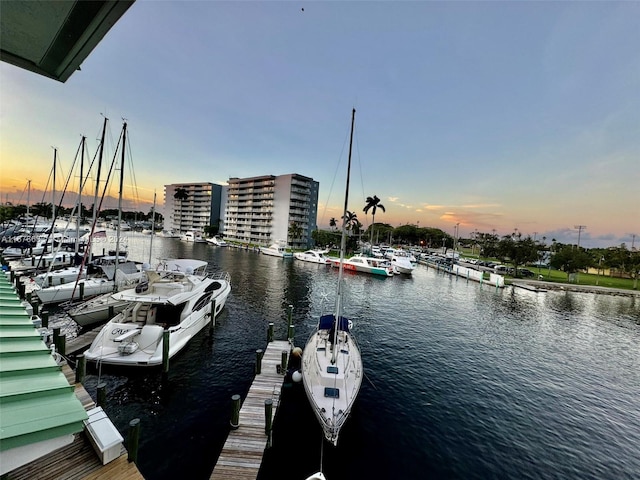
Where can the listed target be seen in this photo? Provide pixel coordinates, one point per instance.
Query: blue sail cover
(326, 322)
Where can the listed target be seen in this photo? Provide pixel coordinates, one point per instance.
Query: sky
(489, 116)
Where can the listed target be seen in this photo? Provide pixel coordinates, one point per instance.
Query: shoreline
(570, 287)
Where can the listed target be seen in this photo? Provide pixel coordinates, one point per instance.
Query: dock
(241, 456)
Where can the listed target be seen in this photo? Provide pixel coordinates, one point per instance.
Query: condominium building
(263, 210)
(192, 206)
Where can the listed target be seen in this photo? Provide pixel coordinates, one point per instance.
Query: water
(462, 381)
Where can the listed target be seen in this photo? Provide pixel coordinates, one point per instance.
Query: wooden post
(61, 346)
(56, 336)
(28, 296)
(81, 291)
(291, 331)
(283, 362)
(21, 290)
(81, 368)
(270, 332)
(13, 276)
(133, 440)
(165, 351)
(35, 305)
(235, 411)
(268, 419)
(258, 362)
(45, 318)
(213, 316)
(102, 394)
(112, 312)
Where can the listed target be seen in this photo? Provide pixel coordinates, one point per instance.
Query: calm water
(462, 381)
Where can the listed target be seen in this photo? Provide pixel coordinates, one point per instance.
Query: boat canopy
(326, 323)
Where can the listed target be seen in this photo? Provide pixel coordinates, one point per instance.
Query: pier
(242, 453)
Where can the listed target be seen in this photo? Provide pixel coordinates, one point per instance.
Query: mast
(153, 226)
(124, 144)
(53, 191)
(343, 242)
(95, 195)
(79, 214)
(28, 196)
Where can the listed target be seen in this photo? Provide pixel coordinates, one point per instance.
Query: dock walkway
(242, 453)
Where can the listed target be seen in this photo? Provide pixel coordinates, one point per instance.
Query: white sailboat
(332, 368)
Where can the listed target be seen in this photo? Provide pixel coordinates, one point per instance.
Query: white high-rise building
(197, 208)
(262, 210)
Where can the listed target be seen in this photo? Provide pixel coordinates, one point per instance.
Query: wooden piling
(235, 411)
(81, 368)
(284, 361)
(81, 291)
(270, 332)
(268, 420)
(45, 318)
(165, 351)
(258, 361)
(101, 394)
(133, 439)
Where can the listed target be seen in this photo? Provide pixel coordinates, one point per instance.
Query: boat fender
(296, 376)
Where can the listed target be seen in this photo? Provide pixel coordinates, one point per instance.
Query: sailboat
(331, 362)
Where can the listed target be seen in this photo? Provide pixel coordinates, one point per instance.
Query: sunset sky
(494, 115)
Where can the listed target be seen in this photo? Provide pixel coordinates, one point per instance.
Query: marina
(452, 368)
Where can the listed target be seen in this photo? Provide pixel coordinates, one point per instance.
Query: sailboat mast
(53, 190)
(343, 243)
(153, 226)
(79, 214)
(343, 240)
(124, 143)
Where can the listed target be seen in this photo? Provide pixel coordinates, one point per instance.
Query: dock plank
(241, 455)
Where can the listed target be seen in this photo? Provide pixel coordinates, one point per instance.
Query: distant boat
(276, 250)
(192, 236)
(168, 234)
(360, 263)
(217, 241)
(401, 262)
(313, 256)
(332, 368)
(177, 299)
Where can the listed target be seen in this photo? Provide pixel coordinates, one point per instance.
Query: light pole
(598, 276)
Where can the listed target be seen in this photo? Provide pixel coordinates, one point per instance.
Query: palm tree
(333, 223)
(373, 204)
(295, 231)
(181, 194)
(350, 220)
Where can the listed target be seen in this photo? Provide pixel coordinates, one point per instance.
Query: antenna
(580, 228)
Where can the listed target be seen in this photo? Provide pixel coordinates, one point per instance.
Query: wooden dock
(242, 453)
(82, 342)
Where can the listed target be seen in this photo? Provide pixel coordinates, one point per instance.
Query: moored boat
(276, 250)
(313, 256)
(177, 299)
(360, 263)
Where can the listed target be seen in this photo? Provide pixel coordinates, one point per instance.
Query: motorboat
(176, 299)
(313, 256)
(332, 368)
(364, 264)
(276, 250)
(168, 234)
(192, 236)
(217, 241)
(401, 263)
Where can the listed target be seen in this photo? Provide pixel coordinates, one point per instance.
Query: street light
(598, 275)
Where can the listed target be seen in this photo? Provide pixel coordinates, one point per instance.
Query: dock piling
(165, 351)
(101, 394)
(268, 420)
(258, 361)
(235, 411)
(284, 362)
(81, 368)
(133, 439)
(270, 333)
(45, 318)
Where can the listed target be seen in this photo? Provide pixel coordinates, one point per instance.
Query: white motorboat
(363, 264)
(168, 234)
(276, 250)
(313, 256)
(191, 236)
(332, 368)
(177, 299)
(217, 241)
(401, 263)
